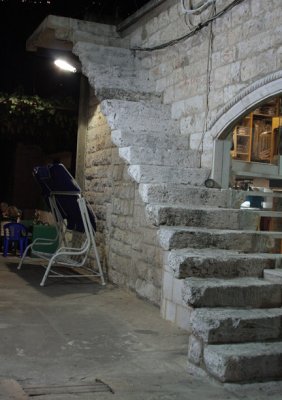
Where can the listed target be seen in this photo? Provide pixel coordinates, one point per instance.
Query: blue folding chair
(17, 234)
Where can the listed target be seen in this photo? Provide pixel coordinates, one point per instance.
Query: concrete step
(208, 217)
(173, 193)
(214, 325)
(133, 116)
(160, 156)
(218, 263)
(166, 174)
(273, 275)
(244, 362)
(178, 237)
(150, 140)
(236, 292)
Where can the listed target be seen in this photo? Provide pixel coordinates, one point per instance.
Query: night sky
(30, 72)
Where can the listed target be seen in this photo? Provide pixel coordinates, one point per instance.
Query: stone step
(152, 140)
(273, 275)
(160, 156)
(166, 174)
(82, 38)
(135, 116)
(115, 73)
(131, 94)
(244, 362)
(218, 263)
(236, 292)
(125, 78)
(213, 325)
(91, 53)
(178, 237)
(209, 217)
(173, 193)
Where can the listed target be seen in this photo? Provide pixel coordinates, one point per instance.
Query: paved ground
(73, 340)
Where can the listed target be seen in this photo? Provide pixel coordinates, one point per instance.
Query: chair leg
(24, 255)
(48, 268)
(21, 243)
(5, 247)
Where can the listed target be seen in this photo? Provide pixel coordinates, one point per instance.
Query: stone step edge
(176, 237)
(199, 263)
(145, 138)
(230, 322)
(210, 252)
(160, 156)
(182, 207)
(161, 193)
(143, 173)
(235, 363)
(251, 292)
(273, 275)
(188, 229)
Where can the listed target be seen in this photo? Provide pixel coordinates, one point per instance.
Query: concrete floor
(58, 340)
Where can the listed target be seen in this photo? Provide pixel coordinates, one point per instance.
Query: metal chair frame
(68, 255)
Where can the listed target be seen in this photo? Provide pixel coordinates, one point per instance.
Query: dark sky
(19, 18)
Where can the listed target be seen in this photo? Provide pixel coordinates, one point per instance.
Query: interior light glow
(64, 65)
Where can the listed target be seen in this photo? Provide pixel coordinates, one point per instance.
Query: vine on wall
(35, 120)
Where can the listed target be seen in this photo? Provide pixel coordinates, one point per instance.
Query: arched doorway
(256, 142)
(256, 114)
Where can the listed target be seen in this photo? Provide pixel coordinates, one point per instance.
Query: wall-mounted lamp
(65, 65)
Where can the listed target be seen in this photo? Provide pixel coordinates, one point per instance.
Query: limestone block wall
(127, 245)
(197, 74)
(171, 77)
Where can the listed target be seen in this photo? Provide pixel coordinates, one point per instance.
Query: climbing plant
(33, 119)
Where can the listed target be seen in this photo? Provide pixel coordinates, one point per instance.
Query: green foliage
(32, 119)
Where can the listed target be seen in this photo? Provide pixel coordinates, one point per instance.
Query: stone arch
(220, 127)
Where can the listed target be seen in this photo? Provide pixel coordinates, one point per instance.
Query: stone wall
(127, 245)
(197, 76)
(195, 73)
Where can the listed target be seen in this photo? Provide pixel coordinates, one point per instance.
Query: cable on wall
(195, 11)
(208, 81)
(190, 13)
(198, 28)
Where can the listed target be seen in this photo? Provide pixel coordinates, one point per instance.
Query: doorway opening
(246, 134)
(256, 143)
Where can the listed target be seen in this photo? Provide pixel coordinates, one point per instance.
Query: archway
(222, 127)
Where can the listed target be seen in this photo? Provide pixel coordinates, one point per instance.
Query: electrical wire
(208, 82)
(187, 17)
(198, 28)
(198, 10)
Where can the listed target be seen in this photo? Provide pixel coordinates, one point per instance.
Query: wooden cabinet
(242, 140)
(256, 137)
(262, 150)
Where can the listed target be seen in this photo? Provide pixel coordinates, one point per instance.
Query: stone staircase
(229, 283)
(226, 270)
(213, 252)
